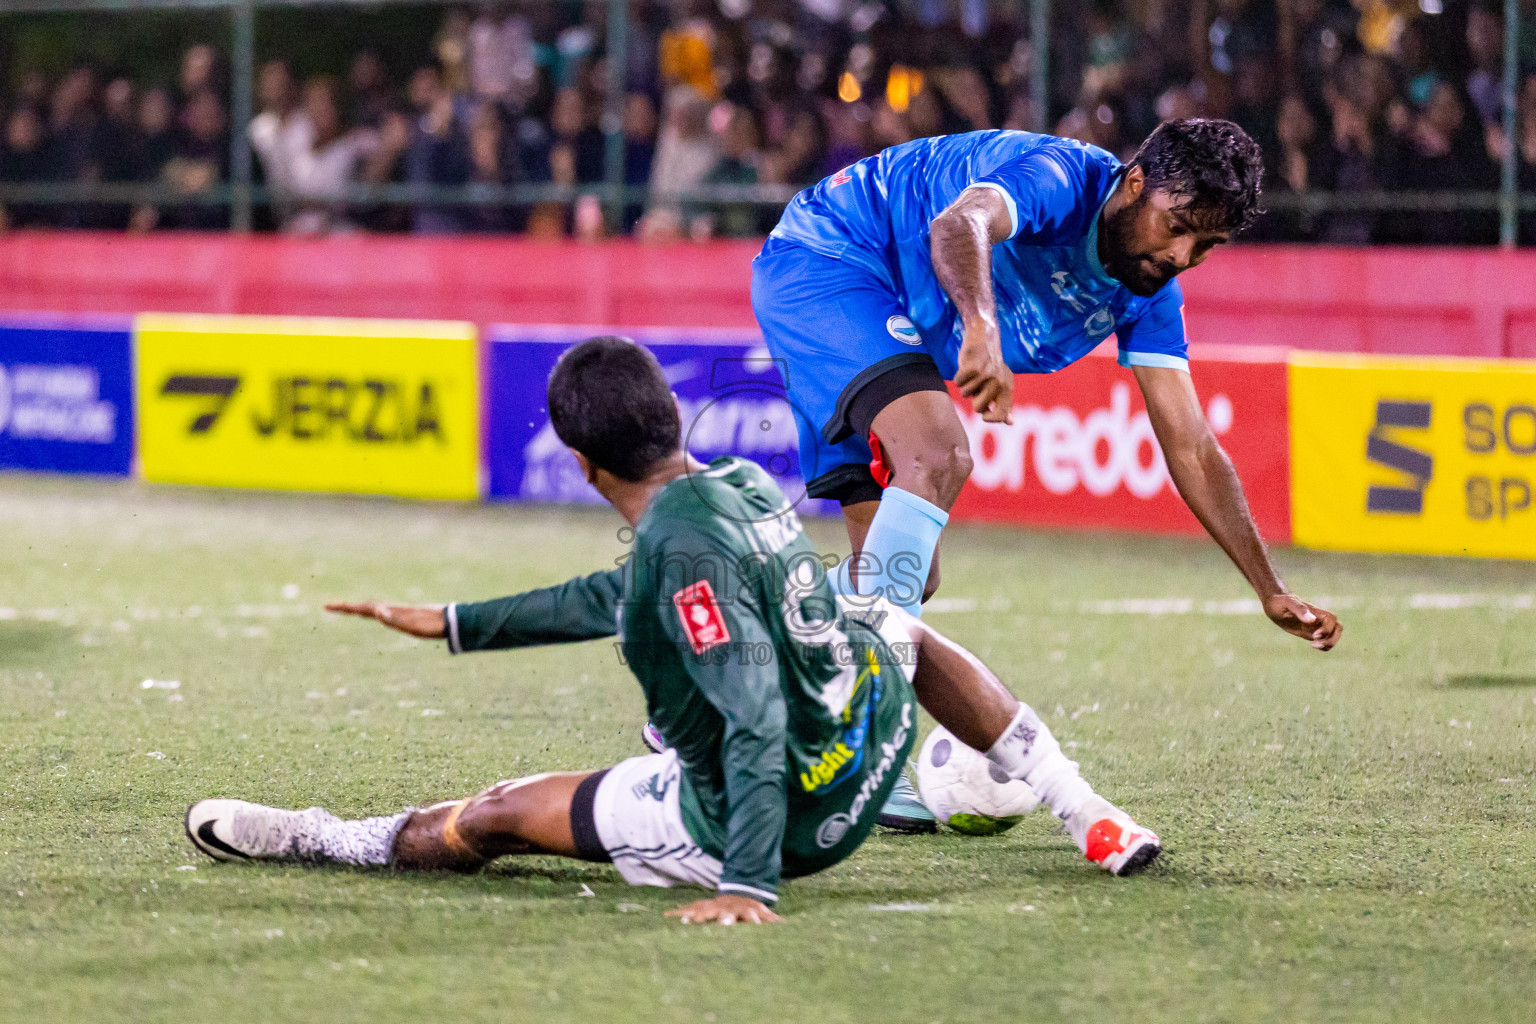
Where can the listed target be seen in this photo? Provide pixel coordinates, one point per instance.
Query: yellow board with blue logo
(312, 404)
(1415, 455)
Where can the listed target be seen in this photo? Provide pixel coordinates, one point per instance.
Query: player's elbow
(940, 232)
(1184, 461)
(1212, 455)
(1199, 456)
(958, 224)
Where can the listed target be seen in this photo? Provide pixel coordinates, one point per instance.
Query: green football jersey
(790, 715)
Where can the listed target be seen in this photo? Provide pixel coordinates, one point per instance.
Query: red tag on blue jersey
(701, 616)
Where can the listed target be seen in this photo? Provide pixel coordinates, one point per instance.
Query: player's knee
(938, 472)
(959, 471)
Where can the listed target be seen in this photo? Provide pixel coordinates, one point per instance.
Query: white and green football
(966, 791)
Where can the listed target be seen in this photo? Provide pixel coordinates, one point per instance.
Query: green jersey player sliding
(789, 714)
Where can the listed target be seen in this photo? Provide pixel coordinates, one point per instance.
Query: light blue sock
(899, 548)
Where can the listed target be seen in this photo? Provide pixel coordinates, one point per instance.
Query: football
(966, 791)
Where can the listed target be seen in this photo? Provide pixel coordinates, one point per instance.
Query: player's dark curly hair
(609, 400)
(1214, 163)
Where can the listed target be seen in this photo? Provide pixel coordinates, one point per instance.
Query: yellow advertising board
(1415, 455)
(314, 404)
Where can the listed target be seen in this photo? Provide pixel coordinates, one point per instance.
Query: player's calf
(921, 458)
(520, 816)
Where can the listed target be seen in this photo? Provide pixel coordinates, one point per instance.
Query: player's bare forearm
(419, 620)
(1209, 485)
(961, 240)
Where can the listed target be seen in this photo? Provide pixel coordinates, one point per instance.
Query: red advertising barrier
(485, 280)
(1080, 450)
(1379, 300)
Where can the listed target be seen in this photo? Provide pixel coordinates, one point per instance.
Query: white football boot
(237, 830)
(1108, 837)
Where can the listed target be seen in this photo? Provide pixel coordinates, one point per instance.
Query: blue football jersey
(1055, 302)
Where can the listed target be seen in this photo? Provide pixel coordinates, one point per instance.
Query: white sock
(365, 843)
(1028, 751)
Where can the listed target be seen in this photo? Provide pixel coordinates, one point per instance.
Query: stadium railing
(241, 194)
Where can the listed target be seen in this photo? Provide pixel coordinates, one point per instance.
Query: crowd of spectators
(1345, 96)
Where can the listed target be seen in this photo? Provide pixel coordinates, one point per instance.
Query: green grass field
(1349, 837)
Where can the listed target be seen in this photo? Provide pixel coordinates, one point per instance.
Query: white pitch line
(1439, 602)
(1139, 606)
(79, 612)
(900, 908)
(942, 605)
(271, 611)
(1251, 606)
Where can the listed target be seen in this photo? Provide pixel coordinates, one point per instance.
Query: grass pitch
(1349, 836)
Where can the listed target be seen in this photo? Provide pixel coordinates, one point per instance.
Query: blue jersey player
(971, 258)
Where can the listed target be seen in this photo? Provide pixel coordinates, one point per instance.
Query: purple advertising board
(729, 389)
(66, 393)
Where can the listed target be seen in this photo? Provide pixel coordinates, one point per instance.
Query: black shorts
(584, 822)
(853, 484)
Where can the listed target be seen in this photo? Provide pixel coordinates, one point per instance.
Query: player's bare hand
(727, 910)
(423, 620)
(983, 377)
(1316, 625)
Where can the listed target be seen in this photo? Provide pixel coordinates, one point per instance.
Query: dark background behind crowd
(1347, 96)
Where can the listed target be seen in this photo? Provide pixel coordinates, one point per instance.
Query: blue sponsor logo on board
(66, 394)
(730, 391)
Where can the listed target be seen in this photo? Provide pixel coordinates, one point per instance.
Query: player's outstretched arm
(584, 608)
(1210, 487)
(423, 620)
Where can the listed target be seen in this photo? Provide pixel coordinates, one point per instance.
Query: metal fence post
(1040, 63)
(613, 111)
(242, 81)
(1509, 196)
